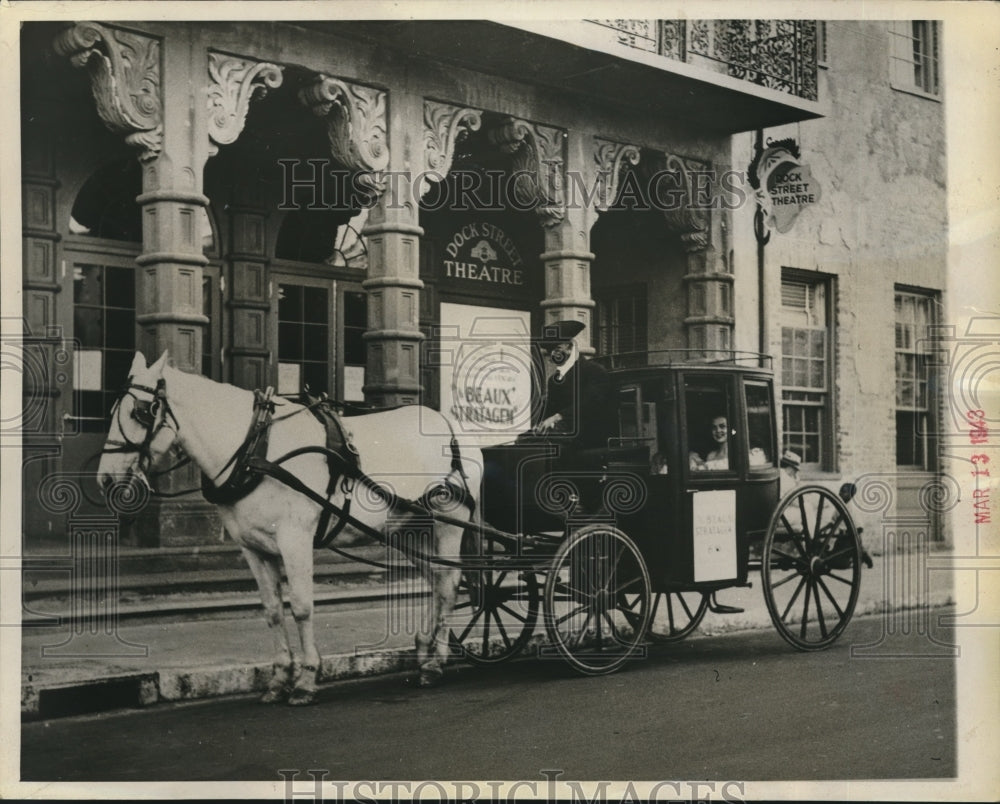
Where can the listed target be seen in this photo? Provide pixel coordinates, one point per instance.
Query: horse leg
(299, 569)
(266, 572)
(433, 646)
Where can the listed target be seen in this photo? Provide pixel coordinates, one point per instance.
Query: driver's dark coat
(584, 399)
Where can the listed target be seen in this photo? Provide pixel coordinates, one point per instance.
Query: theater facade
(370, 208)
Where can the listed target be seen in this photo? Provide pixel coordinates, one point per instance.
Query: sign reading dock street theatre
(783, 185)
(482, 255)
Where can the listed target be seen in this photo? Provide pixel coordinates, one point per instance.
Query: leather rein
(250, 466)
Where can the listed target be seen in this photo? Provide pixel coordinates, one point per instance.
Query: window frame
(898, 55)
(286, 274)
(826, 405)
(930, 411)
(637, 293)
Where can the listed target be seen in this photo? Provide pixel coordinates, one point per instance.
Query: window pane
(88, 327)
(120, 331)
(316, 305)
(314, 375)
(356, 310)
(759, 425)
(289, 303)
(316, 342)
(354, 347)
(289, 341)
(120, 287)
(88, 285)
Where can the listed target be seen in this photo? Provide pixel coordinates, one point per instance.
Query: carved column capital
(443, 125)
(356, 126)
(234, 82)
(539, 161)
(690, 219)
(610, 159)
(124, 69)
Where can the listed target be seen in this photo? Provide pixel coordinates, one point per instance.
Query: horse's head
(143, 427)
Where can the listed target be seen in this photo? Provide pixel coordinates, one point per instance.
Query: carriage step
(720, 608)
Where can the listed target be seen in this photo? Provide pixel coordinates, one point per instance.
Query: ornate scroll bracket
(124, 69)
(443, 126)
(234, 83)
(610, 159)
(538, 165)
(690, 218)
(356, 126)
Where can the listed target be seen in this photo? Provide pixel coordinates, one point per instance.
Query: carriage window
(759, 420)
(709, 425)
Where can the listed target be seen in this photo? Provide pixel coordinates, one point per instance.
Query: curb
(41, 701)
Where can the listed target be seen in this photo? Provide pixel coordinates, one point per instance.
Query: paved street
(737, 706)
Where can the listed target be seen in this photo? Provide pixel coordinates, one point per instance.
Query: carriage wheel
(597, 596)
(495, 613)
(811, 567)
(676, 615)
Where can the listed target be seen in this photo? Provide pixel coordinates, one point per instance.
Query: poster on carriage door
(485, 379)
(713, 524)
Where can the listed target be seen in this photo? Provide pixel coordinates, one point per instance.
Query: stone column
(359, 133)
(151, 92)
(567, 222)
(708, 276)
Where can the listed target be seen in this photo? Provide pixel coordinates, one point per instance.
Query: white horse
(274, 525)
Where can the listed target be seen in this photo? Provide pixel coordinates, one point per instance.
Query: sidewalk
(177, 649)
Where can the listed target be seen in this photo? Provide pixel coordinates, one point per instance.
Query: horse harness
(250, 466)
(145, 413)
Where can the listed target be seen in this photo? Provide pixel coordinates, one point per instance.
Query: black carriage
(628, 544)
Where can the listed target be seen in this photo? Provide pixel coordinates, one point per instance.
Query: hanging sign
(783, 185)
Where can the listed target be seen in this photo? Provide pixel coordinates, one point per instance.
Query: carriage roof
(668, 360)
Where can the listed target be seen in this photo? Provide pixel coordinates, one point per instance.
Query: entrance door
(304, 331)
(101, 287)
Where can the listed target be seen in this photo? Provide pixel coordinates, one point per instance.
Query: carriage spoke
(805, 613)
(793, 537)
(613, 629)
(670, 613)
(785, 580)
(470, 626)
(805, 519)
(847, 581)
(631, 582)
(656, 605)
(577, 638)
(819, 514)
(819, 611)
(795, 596)
(845, 551)
(565, 617)
(516, 615)
(831, 598)
(502, 630)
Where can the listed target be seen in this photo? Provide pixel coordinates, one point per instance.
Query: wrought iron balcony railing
(778, 54)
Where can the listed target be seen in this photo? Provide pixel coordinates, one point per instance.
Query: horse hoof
(302, 698)
(428, 680)
(274, 696)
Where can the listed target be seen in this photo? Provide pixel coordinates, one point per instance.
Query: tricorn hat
(560, 332)
(790, 459)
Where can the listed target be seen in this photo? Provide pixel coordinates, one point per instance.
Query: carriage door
(712, 454)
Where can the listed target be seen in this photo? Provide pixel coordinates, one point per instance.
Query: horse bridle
(145, 412)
